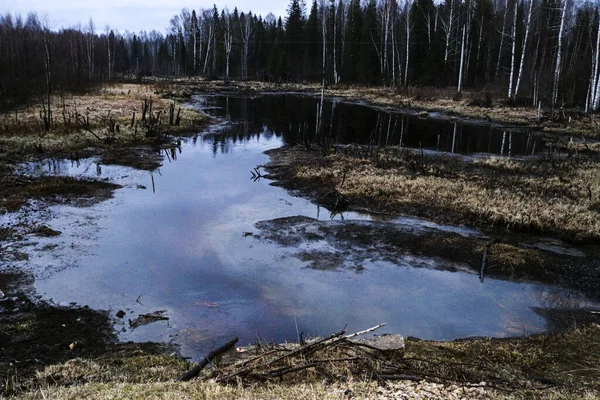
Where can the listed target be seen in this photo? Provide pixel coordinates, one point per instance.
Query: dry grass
(560, 198)
(207, 391)
(559, 366)
(22, 132)
(569, 360)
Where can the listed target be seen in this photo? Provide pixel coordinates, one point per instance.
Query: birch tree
(559, 55)
(502, 34)
(408, 29)
(210, 37)
(194, 33)
(333, 14)
(90, 48)
(448, 30)
(246, 30)
(513, 51)
(462, 58)
(227, 38)
(524, 49)
(595, 85)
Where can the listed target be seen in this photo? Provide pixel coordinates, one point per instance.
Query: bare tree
(107, 31)
(227, 39)
(408, 29)
(462, 60)
(448, 27)
(194, 33)
(595, 81)
(48, 64)
(559, 55)
(513, 51)
(90, 48)
(247, 30)
(523, 50)
(501, 42)
(209, 38)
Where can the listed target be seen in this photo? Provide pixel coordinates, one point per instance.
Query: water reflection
(294, 118)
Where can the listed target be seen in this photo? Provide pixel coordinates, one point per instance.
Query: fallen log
(194, 372)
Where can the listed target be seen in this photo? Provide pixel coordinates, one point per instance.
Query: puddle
(183, 240)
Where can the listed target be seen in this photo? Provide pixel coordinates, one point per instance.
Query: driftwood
(192, 373)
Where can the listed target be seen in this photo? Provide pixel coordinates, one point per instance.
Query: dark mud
(143, 158)
(331, 245)
(36, 334)
(16, 191)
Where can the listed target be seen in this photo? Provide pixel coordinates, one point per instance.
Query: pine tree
(369, 71)
(294, 29)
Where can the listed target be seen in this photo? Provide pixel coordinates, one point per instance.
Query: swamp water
(183, 239)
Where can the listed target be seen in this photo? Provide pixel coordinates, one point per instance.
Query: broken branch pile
(341, 357)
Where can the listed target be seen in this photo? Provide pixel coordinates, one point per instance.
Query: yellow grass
(569, 359)
(22, 131)
(534, 196)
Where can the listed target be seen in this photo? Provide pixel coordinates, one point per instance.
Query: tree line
(533, 51)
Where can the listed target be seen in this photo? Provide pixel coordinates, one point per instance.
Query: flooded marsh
(220, 254)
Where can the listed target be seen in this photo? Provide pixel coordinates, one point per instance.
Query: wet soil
(144, 158)
(517, 256)
(16, 191)
(35, 334)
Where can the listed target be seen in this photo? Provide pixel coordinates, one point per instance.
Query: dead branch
(365, 331)
(192, 373)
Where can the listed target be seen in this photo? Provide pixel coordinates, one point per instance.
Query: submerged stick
(483, 262)
(192, 373)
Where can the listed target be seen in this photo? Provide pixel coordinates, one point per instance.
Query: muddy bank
(34, 335)
(555, 198)
(331, 245)
(522, 204)
(37, 334)
(16, 191)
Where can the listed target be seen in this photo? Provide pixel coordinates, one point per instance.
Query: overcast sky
(131, 15)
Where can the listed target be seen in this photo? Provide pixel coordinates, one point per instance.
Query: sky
(130, 15)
